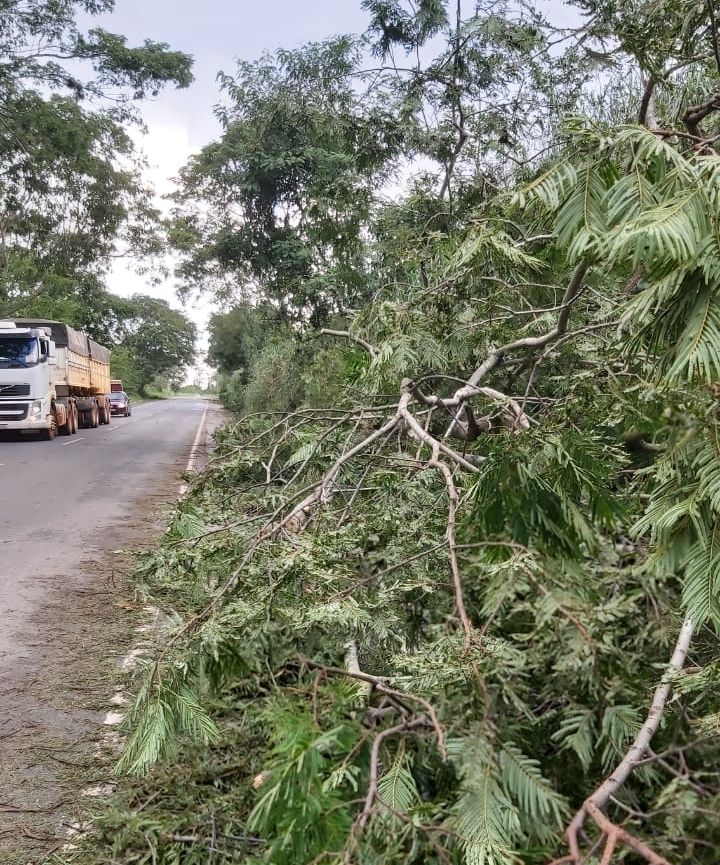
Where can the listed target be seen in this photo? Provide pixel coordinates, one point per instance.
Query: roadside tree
(71, 196)
(159, 340)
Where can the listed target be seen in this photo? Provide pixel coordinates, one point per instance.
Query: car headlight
(36, 410)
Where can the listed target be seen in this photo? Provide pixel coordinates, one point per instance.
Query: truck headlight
(36, 410)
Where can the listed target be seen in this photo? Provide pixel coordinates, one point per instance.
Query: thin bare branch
(375, 763)
(370, 349)
(595, 803)
(491, 361)
(438, 465)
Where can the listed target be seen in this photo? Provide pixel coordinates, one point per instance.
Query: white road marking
(196, 444)
(73, 442)
(192, 459)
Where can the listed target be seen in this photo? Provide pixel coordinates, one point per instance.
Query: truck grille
(14, 390)
(13, 411)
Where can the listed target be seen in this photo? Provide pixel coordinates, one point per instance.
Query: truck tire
(74, 418)
(94, 417)
(49, 434)
(66, 428)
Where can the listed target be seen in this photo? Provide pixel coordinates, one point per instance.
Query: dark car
(120, 403)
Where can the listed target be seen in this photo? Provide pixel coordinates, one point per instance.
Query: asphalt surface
(59, 501)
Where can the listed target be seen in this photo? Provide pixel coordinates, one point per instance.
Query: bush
(275, 381)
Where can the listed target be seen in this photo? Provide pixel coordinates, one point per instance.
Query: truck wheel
(66, 428)
(94, 417)
(49, 434)
(73, 419)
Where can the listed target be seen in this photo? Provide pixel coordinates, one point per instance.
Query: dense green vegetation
(71, 189)
(431, 598)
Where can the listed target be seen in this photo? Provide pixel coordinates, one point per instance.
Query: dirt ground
(55, 751)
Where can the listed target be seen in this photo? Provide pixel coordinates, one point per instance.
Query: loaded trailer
(53, 379)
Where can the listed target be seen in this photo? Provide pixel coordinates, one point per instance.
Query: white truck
(53, 379)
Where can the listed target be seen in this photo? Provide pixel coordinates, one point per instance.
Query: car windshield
(18, 351)
(118, 397)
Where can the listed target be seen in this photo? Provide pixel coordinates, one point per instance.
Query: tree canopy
(157, 340)
(71, 194)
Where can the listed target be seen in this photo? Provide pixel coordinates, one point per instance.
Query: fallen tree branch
(425, 436)
(491, 361)
(375, 764)
(380, 684)
(352, 664)
(438, 465)
(370, 349)
(695, 114)
(461, 397)
(297, 518)
(595, 803)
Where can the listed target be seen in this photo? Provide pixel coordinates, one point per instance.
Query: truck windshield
(18, 351)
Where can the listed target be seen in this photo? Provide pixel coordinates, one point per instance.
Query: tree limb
(646, 115)
(375, 763)
(438, 465)
(595, 803)
(694, 114)
(370, 349)
(491, 361)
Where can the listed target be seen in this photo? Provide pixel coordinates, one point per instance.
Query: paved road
(58, 499)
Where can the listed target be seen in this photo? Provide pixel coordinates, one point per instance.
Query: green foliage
(237, 336)
(434, 613)
(549, 492)
(70, 191)
(298, 157)
(157, 340)
(274, 383)
(161, 708)
(298, 805)
(124, 367)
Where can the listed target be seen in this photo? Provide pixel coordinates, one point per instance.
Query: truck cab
(27, 355)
